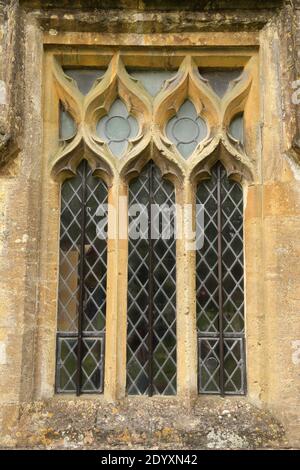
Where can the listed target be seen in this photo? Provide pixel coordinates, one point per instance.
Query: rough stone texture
(147, 424)
(272, 224)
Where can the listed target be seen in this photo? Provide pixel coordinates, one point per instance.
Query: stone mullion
(116, 310)
(186, 294)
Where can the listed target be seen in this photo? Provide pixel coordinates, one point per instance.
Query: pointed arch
(237, 166)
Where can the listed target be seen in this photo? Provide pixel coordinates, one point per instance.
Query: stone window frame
(224, 51)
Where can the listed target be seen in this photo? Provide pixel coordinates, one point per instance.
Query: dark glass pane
(70, 239)
(219, 79)
(67, 364)
(234, 366)
(138, 298)
(95, 258)
(85, 78)
(207, 260)
(232, 255)
(209, 365)
(223, 241)
(82, 283)
(163, 281)
(164, 300)
(92, 365)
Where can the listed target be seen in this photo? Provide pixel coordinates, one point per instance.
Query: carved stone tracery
(118, 99)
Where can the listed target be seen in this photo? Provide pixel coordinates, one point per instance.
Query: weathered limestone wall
(281, 224)
(272, 210)
(20, 209)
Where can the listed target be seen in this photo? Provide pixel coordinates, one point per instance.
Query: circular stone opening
(185, 130)
(117, 128)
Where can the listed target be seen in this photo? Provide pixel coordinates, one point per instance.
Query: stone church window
(145, 315)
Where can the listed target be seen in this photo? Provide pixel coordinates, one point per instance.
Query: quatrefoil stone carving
(117, 128)
(186, 129)
(117, 119)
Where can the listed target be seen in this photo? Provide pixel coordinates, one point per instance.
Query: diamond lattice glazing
(220, 287)
(82, 285)
(151, 340)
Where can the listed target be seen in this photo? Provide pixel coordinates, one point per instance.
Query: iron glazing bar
(81, 280)
(220, 279)
(151, 268)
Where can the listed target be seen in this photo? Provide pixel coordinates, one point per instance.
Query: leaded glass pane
(151, 330)
(95, 258)
(220, 286)
(92, 365)
(234, 366)
(164, 286)
(207, 261)
(209, 365)
(232, 256)
(66, 364)
(82, 285)
(70, 238)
